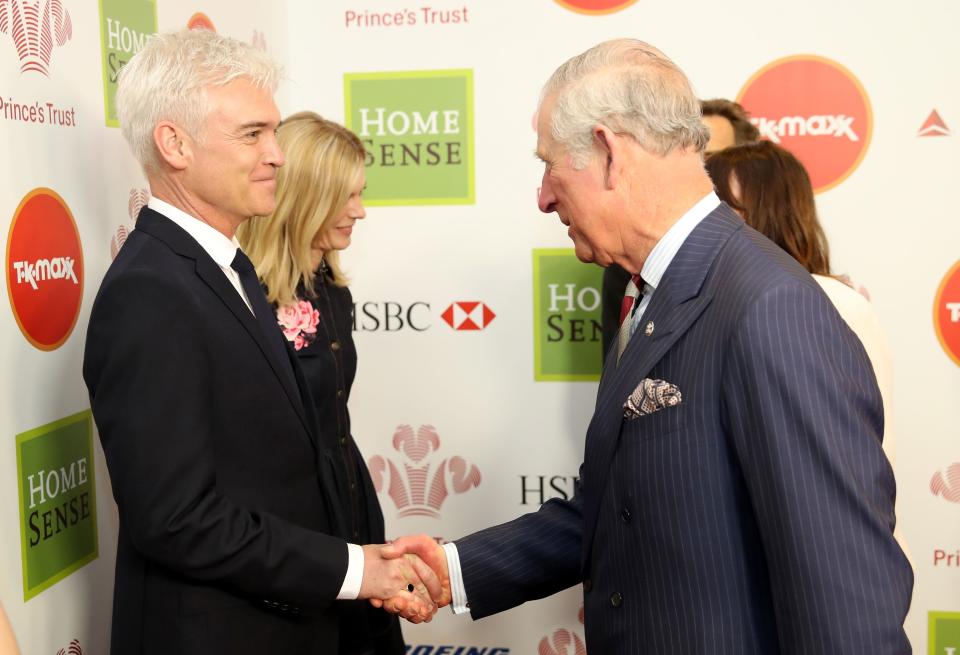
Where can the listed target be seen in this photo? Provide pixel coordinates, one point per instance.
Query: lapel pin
(649, 329)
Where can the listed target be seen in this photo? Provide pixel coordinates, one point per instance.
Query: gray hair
(630, 87)
(168, 80)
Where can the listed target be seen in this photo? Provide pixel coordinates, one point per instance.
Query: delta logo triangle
(934, 126)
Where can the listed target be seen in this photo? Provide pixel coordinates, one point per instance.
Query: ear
(173, 144)
(610, 144)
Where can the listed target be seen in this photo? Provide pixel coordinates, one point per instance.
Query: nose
(274, 153)
(546, 201)
(360, 212)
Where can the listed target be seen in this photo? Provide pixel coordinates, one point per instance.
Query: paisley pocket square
(650, 396)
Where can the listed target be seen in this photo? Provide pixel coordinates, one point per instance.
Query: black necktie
(264, 314)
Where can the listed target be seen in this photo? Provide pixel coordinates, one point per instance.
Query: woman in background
(771, 190)
(295, 251)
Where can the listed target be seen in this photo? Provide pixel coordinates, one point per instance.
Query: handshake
(408, 577)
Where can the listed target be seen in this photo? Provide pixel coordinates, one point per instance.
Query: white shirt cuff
(459, 603)
(354, 578)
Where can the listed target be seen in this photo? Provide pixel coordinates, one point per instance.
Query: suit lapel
(675, 306)
(211, 274)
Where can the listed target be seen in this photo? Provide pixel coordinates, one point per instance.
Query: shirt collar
(221, 249)
(663, 253)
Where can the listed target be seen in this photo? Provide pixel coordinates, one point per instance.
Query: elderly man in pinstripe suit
(733, 497)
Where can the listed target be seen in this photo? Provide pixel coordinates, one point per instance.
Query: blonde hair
(324, 163)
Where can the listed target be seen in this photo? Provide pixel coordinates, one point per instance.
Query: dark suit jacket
(754, 517)
(225, 494)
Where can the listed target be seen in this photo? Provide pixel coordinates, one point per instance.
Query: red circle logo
(946, 313)
(44, 269)
(816, 109)
(200, 21)
(595, 6)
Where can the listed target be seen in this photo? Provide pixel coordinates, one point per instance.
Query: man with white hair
(734, 496)
(230, 538)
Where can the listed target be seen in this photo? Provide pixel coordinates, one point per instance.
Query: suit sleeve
(805, 421)
(533, 556)
(151, 396)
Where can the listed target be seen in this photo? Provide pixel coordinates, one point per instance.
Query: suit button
(334, 345)
(343, 441)
(339, 393)
(587, 585)
(625, 515)
(616, 599)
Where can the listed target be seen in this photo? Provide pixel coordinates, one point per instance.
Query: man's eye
(254, 134)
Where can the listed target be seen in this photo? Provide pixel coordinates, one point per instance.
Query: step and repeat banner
(477, 329)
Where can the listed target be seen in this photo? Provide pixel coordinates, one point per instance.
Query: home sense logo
(946, 313)
(943, 635)
(125, 26)
(58, 509)
(44, 269)
(418, 485)
(566, 316)
(36, 27)
(417, 128)
(595, 6)
(815, 108)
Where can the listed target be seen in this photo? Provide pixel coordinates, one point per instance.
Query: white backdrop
(889, 226)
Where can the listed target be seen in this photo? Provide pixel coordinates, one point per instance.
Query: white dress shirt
(653, 270)
(222, 250)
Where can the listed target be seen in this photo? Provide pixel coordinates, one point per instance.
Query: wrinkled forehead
(545, 141)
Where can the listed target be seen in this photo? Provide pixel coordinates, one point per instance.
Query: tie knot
(241, 263)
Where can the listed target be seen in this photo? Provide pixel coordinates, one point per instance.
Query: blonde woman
(295, 251)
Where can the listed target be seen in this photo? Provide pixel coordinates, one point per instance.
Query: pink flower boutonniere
(299, 323)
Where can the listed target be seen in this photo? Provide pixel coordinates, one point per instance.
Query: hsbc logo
(468, 315)
(36, 27)
(58, 268)
(947, 485)
(418, 315)
(417, 483)
(838, 126)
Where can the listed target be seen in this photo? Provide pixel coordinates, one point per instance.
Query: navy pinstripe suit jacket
(754, 517)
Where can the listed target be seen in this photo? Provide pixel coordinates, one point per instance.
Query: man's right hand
(404, 586)
(427, 549)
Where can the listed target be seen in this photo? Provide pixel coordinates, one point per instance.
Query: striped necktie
(631, 300)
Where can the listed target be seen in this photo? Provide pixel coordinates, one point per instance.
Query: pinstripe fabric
(754, 517)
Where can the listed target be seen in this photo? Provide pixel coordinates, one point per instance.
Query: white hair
(168, 80)
(630, 87)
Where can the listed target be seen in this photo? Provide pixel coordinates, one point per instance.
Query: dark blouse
(328, 358)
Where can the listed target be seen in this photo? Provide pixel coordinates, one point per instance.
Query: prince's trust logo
(36, 27)
(418, 486)
(563, 642)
